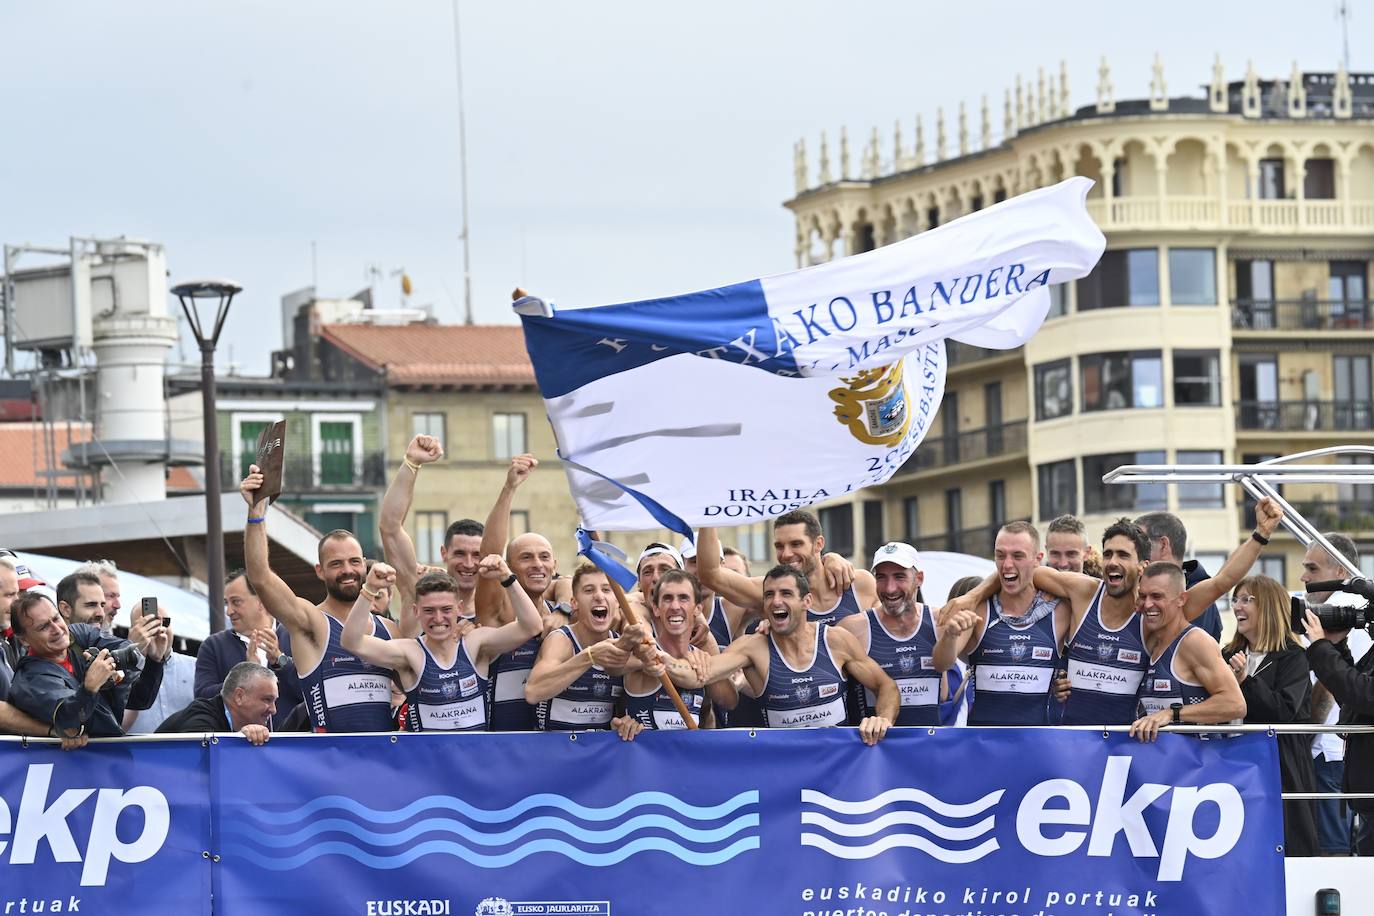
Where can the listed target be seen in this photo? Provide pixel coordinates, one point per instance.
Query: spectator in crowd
(1168, 543)
(1187, 681)
(345, 693)
(654, 560)
(252, 636)
(68, 678)
(797, 669)
(80, 599)
(9, 590)
(178, 671)
(1066, 544)
(108, 574)
(1328, 750)
(1271, 668)
(1351, 684)
(245, 704)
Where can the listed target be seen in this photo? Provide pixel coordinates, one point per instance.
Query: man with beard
(576, 681)
(840, 590)
(677, 595)
(899, 634)
(1187, 682)
(444, 671)
(1011, 640)
(1066, 544)
(654, 560)
(343, 693)
(798, 668)
(462, 547)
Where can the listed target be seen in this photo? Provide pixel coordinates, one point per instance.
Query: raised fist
(424, 449)
(493, 567)
(520, 468)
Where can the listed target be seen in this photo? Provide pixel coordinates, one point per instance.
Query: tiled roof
(21, 456)
(438, 354)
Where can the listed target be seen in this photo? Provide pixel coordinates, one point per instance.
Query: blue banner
(979, 821)
(114, 828)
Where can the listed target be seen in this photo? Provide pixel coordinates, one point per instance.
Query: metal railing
(960, 354)
(1302, 314)
(970, 445)
(1326, 514)
(1309, 416)
(329, 473)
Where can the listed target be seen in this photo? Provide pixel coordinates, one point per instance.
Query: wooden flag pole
(631, 618)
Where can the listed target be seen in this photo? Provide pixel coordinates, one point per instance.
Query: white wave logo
(878, 815)
(282, 840)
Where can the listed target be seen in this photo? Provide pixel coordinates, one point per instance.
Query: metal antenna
(463, 164)
(1343, 14)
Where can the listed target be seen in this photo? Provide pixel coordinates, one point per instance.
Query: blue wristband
(254, 521)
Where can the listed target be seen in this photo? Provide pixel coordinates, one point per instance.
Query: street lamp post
(192, 295)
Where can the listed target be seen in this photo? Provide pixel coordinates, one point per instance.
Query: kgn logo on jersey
(874, 405)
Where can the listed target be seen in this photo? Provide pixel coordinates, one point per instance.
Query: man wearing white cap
(899, 635)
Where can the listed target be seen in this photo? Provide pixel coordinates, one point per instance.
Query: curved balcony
(1302, 315)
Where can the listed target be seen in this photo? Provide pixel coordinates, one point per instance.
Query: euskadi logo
(42, 821)
(1045, 818)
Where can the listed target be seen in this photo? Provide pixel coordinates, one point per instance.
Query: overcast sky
(616, 150)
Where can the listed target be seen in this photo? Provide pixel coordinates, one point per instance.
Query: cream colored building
(1229, 319)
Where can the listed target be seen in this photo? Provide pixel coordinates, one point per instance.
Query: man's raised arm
(397, 546)
(489, 642)
(1076, 587)
(492, 608)
(276, 596)
(1237, 566)
(734, 587)
(357, 634)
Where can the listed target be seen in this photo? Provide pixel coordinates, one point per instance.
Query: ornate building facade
(1229, 319)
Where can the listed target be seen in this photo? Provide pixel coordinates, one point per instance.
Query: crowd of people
(495, 636)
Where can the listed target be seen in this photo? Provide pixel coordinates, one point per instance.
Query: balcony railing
(1305, 416)
(972, 445)
(974, 541)
(1204, 212)
(960, 354)
(1326, 514)
(1302, 314)
(307, 475)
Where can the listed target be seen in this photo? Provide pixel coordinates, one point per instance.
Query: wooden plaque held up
(270, 458)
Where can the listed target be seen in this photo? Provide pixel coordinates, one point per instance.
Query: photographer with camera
(1351, 684)
(74, 677)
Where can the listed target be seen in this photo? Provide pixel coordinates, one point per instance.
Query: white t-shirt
(1331, 745)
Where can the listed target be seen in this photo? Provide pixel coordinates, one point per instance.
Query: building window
(1127, 277)
(954, 518)
(1116, 381)
(873, 525)
(1272, 567)
(1059, 300)
(519, 522)
(1058, 485)
(1121, 497)
(1271, 179)
(508, 434)
(1197, 378)
(1200, 495)
(1319, 182)
(336, 452)
(976, 204)
(1118, 177)
(932, 217)
(911, 518)
(427, 424)
(249, 432)
(1193, 276)
(1053, 390)
(838, 524)
(999, 195)
(754, 542)
(429, 535)
(1345, 288)
(997, 502)
(1353, 396)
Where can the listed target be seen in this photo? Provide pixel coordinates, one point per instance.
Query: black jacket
(1352, 685)
(205, 714)
(1279, 693)
(52, 694)
(223, 650)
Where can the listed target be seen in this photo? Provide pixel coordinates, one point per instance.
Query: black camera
(126, 658)
(1336, 617)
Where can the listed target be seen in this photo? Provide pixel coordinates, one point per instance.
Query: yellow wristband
(370, 592)
(410, 464)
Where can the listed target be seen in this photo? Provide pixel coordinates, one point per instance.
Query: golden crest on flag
(874, 405)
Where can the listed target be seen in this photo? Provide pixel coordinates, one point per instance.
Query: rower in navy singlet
(1187, 682)
(509, 711)
(571, 686)
(899, 635)
(798, 669)
(343, 693)
(847, 604)
(444, 675)
(1105, 667)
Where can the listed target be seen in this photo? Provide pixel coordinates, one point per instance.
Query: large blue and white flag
(740, 403)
